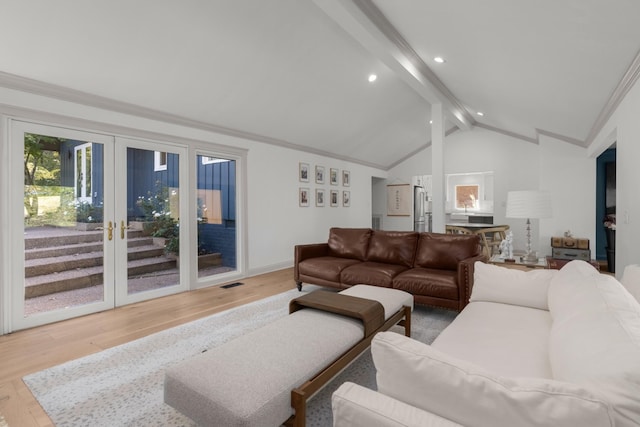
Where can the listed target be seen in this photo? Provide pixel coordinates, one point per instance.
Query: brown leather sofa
(436, 268)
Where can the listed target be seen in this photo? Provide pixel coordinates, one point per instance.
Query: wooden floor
(33, 350)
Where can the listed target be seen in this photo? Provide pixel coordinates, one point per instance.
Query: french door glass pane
(63, 205)
(216, 215)
(152, 220)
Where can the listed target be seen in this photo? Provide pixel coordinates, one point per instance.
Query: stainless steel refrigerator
(421, 211)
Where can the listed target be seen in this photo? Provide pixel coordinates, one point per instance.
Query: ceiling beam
(367, 24)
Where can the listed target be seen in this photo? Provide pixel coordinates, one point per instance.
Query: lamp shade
(528, 204)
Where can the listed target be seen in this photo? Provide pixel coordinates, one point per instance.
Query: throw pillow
(424, 377)
(493, 283)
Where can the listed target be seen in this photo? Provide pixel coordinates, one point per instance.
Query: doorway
(606, 207)
(85, 243)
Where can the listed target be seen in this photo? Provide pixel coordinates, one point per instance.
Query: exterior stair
(67, 261)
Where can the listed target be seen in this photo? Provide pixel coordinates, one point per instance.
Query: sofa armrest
(357, 406)
(465, 278)
(302, 252)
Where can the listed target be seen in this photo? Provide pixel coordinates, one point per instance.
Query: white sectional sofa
(536, 348)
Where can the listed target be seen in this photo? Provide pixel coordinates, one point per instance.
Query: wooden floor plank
(32, 350)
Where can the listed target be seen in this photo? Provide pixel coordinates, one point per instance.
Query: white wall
(623, 128)
(564, 169)
(275, 221)
(569, 174)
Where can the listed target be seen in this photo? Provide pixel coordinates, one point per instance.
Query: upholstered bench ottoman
(259, 378)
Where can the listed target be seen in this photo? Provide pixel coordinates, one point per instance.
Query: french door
(87, 210)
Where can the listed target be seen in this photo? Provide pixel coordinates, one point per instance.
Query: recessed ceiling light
(430, 122)
(439, 59)
(372, 78)
(480, 113)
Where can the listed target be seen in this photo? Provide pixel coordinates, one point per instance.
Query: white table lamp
(529, 204)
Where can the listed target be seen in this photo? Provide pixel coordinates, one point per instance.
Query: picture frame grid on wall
(346, 178)
(319, 174)
(320, 197)
(333, 195)
(303, 172)
(303, 197)
(333, 176)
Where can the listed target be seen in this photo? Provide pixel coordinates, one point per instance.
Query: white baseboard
(269, 268)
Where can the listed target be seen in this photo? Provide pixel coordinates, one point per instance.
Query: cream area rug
(124, 385)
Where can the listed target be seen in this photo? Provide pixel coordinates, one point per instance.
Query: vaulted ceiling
(294, 72)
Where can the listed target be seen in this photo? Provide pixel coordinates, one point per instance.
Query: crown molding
(36, 87)
(568, 139)
(506, 132)
(626, 83)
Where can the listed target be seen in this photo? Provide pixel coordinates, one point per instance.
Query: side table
(557, 264)
(518, 264)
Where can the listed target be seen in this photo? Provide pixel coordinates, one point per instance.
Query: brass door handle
(109, 229)
(123, 228)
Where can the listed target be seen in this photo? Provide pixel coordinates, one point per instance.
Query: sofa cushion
(509, 340)
(356, 406)
(425, 281)
(393, 247)
(595, 337)
(327, 267)
(349, 242)
(493, 283)
(631, 280)
(424, 377)
(371, 273)
(445, 251)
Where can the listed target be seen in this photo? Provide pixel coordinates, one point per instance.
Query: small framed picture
(319, 174)
(303, 172)
(334, 198)
(346, 178)
(333, 176)
(319, 197)
(346, 198)
(304, 197)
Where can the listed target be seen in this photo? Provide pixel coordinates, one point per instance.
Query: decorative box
(569, 242)
(568, 253)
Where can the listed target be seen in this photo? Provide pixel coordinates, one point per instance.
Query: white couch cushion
(356, 406)
(595, 337)
(493, 283)
(460, 391)
(631, 280)
(506, 339)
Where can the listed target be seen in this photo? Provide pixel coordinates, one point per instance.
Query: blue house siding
(220, 238)
(143, 180)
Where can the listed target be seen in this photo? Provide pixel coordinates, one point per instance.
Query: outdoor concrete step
(73, 237)
(81, 248)
(63, 262)
(90, 276)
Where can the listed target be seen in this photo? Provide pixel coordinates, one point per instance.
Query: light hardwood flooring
(33, 350)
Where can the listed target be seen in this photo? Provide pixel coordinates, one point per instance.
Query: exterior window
(210, 160)
(160, 161)
(467, 196)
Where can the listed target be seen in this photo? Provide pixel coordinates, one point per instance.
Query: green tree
(40, 152)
